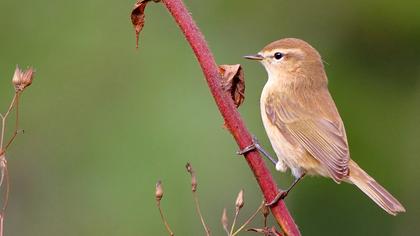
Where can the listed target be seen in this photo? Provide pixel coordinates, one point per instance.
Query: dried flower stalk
(158, 196)
(195, 196)
(21, 80)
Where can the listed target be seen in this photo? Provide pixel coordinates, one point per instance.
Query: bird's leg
(255, 145)
(283, 194)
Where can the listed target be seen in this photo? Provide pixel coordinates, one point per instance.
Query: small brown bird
(302, 121)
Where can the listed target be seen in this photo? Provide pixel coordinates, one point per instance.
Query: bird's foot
(256, 146)
(280, 196)
(247, 149)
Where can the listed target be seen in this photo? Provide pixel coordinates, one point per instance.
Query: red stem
(229, 112)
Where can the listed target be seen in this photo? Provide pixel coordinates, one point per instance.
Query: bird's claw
(280, 196)
(254, 146)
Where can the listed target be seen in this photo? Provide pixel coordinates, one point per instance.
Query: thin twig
(1, 225)
(3, 128)
(265, 212)
(194, 185)
(16, 131)
(12, 104)
(234, 222)
(6, 194)
(163, 219)
(197, 207)
(4, 118)
(249, 219)
(265, 221)
(5, 175)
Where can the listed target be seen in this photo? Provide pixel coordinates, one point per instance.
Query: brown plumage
(302, 121)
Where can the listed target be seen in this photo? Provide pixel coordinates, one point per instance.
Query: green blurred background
(104, 121)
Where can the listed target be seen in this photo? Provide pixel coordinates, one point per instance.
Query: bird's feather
(320, 132)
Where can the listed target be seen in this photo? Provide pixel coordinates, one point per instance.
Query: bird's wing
(320, 134)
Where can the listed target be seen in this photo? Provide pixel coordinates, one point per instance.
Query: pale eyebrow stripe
(285, 51)
(292, 50)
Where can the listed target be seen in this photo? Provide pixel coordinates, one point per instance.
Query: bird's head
(291, 58)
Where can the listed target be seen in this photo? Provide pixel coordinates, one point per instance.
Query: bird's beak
(257, 57)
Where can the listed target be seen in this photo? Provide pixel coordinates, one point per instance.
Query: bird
(303, 124)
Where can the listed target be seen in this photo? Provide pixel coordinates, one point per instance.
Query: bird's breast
(285, 150)
(288, 151)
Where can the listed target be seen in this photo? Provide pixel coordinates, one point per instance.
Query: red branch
(231, 116)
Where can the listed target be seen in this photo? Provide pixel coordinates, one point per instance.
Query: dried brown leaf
(233, 82)
(137, 17)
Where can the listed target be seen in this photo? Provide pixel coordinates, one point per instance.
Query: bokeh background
(104, 121)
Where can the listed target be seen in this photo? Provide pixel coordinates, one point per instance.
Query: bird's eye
(278, 55)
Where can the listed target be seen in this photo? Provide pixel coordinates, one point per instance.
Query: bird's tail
(374, 190)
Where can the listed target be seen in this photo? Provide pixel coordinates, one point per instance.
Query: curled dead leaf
(137, 17)
(233, 82)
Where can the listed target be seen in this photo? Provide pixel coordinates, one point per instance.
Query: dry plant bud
(137, 17)
(239, 200)
(225, 220)
(193, 183)
(265, 211)
(233, 82)
(189, 168)
(22, 79)
(159, 191)
(193, 178)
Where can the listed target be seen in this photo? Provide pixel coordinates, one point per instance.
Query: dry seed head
(240, 200)
(22, 79)
(193, 178)
(193, 183)
(225, 220)
(159, 191)
(265, 211)
(189, 168)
